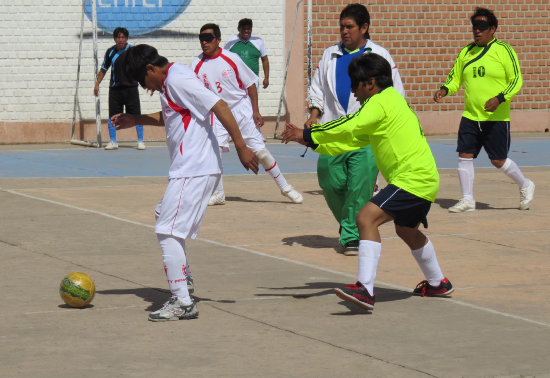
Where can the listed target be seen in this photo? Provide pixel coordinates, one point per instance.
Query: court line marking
(258, 253)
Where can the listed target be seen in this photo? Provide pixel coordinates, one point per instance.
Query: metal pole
(276, 135)
(75, 104)
(97, 105)
(309, 41)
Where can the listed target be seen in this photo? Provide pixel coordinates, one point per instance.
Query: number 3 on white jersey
(219, 86)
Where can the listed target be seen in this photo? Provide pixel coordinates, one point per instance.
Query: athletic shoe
(357, 294)
(424, 289)
(351, 248)
(141, 146)
(174, 309)
(218, 198)
(190, 285)
(293, 194)
(526, 196)
(463, 206)
(111, 146)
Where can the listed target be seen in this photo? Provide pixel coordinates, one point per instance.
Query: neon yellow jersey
(487, 72)
(400, 148)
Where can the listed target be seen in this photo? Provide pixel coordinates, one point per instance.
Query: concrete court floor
(265, 270)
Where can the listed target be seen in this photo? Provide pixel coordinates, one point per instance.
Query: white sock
(219, 188)
(270, 165)
(175, 266)
(369, 255)
(511, 169)
(466, 177)
(426, 259)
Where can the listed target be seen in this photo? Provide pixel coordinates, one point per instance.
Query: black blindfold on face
(480, 25)
(206, 37)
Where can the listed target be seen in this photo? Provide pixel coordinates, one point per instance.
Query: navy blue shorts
(120, 97)
(406, 209)
(494, 136)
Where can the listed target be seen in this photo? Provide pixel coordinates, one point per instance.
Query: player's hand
(439, 94)
(308, 123)
(492, 104)
(258, 119)
(96, 90)
(266, 82)
(293, 134)
(248, 159)
(123, 121)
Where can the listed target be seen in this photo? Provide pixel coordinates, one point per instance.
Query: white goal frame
(76, 105)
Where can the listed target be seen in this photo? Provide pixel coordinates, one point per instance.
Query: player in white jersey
(225, 74)
(195, 168)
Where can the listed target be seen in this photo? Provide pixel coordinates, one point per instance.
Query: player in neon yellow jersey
(490, 72)
(386, 122)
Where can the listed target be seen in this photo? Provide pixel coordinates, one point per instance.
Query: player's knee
(265, 158)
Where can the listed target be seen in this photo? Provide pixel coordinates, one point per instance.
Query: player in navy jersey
(123, 92)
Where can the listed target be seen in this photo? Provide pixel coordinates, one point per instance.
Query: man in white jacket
(347, 180)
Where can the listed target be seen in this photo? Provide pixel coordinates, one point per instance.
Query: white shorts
(181, 210)
(250, 132)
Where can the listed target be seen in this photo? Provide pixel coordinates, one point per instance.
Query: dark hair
(120, 30)
(215, 27)
(245, 22)
(367, 66)
(136, 59)
(484, 12)
(359, 13)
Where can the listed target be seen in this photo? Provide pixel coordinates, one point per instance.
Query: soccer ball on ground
(77, 289)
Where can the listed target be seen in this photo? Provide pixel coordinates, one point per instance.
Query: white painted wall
(39, 54)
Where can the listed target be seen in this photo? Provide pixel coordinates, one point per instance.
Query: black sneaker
(351, 248)
(357, 294)
(424, 289)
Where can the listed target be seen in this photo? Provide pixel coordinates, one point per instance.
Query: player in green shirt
(387, 123)
(250, 48)
(490, 72)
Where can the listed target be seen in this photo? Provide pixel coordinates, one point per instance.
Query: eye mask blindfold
(480, 25)
(206, 37)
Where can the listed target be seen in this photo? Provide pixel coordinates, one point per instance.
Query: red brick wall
(424, 38)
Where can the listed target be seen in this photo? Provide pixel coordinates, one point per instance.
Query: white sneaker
(111, 146)
(174, 309)
(463, 206)
(526, 196)
(293, 194)
(218, 198)
(141, 146)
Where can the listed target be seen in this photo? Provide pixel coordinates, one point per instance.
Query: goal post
(309, 63)
(76, 104)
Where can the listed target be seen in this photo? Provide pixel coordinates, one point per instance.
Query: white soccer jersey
(226, 75)
(186, 106)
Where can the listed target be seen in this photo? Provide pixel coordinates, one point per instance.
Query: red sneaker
(357, 294)
(424, 289)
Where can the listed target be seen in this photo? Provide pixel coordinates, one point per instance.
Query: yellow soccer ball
(77, 289)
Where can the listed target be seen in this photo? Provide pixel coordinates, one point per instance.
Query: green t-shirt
(249, 54)
(387, 123)
(486, 72)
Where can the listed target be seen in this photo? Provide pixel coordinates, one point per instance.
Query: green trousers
(348, 182)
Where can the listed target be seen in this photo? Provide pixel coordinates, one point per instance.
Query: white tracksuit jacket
(322, 93)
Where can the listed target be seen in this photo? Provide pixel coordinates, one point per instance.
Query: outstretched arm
(126, 121)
